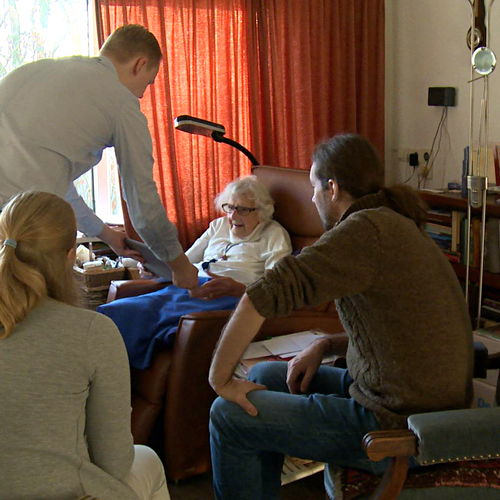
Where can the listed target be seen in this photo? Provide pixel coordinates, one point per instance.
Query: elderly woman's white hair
(251, 187)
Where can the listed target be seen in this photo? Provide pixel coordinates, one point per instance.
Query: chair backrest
(294, 210)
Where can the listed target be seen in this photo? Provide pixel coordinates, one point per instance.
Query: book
(476, 242)
(298, 468)
(492, 256)
(464, 235)
(440, 216)
(456, 219)
(465, 171)
(497, 164)
(432, 227)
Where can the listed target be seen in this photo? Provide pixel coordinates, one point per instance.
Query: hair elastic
(10, 243)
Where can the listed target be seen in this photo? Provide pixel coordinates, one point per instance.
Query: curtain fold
(280, 75)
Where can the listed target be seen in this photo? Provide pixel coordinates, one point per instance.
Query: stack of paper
(296, 468)
(286, 346)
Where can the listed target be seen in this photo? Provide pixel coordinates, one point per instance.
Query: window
(37, 29)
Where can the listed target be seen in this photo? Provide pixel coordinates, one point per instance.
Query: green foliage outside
(37, 29)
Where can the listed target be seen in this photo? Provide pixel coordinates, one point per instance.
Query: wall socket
(423, 163)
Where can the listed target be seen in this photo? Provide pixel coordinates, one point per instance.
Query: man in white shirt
(58, 115)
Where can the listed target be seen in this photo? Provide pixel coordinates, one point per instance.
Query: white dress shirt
(56, 118)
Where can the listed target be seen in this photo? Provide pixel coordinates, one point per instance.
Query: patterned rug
(484, 473)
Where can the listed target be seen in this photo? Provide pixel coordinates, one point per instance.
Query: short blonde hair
(249, 186)
(41, 228)
(132, 40)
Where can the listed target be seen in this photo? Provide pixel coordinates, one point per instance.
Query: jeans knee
(219, 413)
(268, 373)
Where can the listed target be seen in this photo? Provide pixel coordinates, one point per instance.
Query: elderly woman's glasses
(242, 211)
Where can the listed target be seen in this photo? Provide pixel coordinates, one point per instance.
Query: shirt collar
(106, 61)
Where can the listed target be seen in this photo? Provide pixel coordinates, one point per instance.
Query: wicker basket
(97, 280)
(94, 284)
(133, 273)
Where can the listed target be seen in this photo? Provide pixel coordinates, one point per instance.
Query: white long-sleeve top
(56, 118)
(246, 258)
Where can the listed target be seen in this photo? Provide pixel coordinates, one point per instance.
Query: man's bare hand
(303, 367)
(184, 274)
(236, 391)
(116, 241)
(218, 286)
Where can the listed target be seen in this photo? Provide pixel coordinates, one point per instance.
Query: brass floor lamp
(483, 62)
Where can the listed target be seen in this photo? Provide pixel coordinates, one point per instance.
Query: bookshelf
(455, 202)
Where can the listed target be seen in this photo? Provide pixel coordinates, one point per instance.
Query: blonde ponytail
(36, 232)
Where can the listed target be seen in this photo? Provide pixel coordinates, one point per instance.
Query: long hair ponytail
(36, 232)
(407, 202)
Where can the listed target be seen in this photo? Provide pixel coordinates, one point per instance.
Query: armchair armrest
(457, 435)
(383, 444)
(438, 437)
(132, 288)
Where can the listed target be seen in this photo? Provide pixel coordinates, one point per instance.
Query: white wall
(426, 47)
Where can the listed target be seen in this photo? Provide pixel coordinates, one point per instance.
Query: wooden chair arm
(398, 447)
(382, 444)
(132, 288)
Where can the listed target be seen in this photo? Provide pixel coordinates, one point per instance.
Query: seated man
(232, 253)
(408, 334)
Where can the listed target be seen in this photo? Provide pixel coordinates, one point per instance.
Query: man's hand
(303, 367)
(184, 274)
(236, 391)
(116, 241)
(218, 286)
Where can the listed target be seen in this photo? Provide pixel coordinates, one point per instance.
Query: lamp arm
(218, 137)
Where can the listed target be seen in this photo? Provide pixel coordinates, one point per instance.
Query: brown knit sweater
(399, 300)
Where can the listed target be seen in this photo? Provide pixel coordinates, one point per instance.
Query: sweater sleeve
(196, 251)
(343, 262)
(108, 409)
(278, 245)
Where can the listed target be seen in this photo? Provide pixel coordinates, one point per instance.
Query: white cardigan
(246, 258)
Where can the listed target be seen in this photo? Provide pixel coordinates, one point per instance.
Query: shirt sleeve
(87, 221)
(343, 262)
(196, 251)
(108, 410)
(133, 149)
(278, 246)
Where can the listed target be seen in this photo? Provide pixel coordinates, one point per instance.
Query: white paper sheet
(256, 350)
(292, 343)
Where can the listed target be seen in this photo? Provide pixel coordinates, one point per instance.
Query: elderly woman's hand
(218, 286)
(145, 274)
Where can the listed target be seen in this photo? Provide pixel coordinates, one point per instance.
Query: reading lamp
(198, 126)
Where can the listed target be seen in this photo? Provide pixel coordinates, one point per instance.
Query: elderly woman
(232, 253)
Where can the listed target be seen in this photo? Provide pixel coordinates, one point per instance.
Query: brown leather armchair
(174, 392)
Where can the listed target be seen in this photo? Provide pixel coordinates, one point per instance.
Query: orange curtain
(319, 70)
(278, 74)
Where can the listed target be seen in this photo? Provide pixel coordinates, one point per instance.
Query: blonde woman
(65, 390)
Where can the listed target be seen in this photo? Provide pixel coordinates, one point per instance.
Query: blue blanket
(150, 321)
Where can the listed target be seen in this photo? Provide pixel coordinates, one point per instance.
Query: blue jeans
(326, 425)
